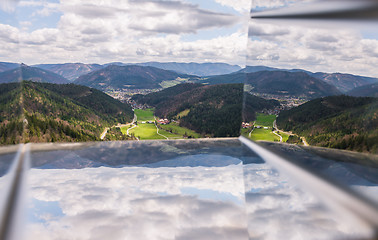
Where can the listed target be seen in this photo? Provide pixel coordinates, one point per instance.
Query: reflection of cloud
(140, 203)
(277, 209)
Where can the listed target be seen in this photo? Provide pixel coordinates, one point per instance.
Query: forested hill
(295, 84)
(34, 74)
(212, 110)
(56, 112)
(130, 76)
(342, 122)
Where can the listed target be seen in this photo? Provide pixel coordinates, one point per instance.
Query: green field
(146, 131)
(176, 129)
(264, 134)
(265, 120)
(171, 83)
(144, 115)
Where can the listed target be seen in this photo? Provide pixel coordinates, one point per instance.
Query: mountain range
(24, 72)
(130, 76)
(122, 75)
(342, 81)
(295, 84)
(70, 71)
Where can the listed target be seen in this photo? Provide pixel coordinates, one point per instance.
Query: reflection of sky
(277, 209)
(138, 203)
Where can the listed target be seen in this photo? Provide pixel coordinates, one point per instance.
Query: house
(163, 121)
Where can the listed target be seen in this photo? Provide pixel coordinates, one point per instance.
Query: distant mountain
(252, 69)
(56, 112)
(70, 71)
(198, 69)
(370, 90)
(212, 110)
(25, 72)
(344, 82)
(279, 83)
(298, 84)
(5, 66)
(342, 122)
(131, 76)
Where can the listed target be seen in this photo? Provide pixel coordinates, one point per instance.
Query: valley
(66, 102)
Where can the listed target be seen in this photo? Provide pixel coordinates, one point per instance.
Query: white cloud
(129, 31)
(8, 5)
(312, 48)
(138, 203)
(239, 5)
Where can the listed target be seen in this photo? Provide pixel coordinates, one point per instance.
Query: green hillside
(342, 122)
(42, 112)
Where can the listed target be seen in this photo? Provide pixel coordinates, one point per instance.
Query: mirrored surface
(189, 189)
(144, 190)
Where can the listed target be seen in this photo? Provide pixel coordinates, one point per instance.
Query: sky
(99, 31)
(60, 31)
(317, 46)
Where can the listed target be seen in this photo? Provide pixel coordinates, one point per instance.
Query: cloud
(312, 48)
(138, 203)
(129, 31)
(8, 5)
(238, 5)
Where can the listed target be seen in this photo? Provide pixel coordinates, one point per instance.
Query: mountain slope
(198, 69)
(5, 66)
(298, 84)
(344, 82)
(25, 72)
(57, 113)
(132, 76)
(337, 121)
(70, 71)
(212, 110)
(295, 84)
(370, 90)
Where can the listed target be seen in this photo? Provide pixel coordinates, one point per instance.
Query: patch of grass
(265, 120)
(171, 83)
(144, 115)
(124, 129)
(264, 134)
(284, 136)
(183, 113)
(146, 131)
(176, 129)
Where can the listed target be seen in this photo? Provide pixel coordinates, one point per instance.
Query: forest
(44, 112)
(342, 122)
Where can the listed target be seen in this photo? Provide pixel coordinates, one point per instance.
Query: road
(102, 136)
(276, 129)
(134, 125)
(157, 130)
